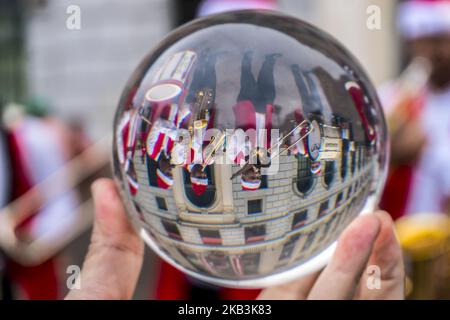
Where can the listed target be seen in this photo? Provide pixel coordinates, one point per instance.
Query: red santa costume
(246, 118)
(164, 98)
(360, 101)
(300, 146)
(164, 181)
(199, 185)
(423, 186)
(166, 118)
(163, 132)
(126, 138)
(38, 282)
(160, 139)
(131, 149)
(123, 129)
(195, 155)
(30, 142)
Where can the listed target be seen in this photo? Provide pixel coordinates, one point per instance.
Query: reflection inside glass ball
(244, 144)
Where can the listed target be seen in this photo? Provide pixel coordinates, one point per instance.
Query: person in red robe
(160, 141)
(126, 145)
(40, 281)
(419, 119)
(253, 114)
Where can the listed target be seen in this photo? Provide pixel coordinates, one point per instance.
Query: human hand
(114, 260)
(368, 240)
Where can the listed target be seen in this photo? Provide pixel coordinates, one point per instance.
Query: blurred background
(63, 65)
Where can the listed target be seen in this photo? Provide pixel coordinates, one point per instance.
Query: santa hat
(419, 18)
(199, 185)
(163, 180)
(250, 185)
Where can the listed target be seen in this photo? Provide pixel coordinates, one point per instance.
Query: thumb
(114, 260)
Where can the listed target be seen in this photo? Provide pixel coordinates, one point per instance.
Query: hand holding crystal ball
(244, 144)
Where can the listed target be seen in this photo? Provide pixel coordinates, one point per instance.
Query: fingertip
(357, 239)
(349, 260)
(105, 194)
(98, 189)
(384, 216)
(388, 257)
(387, 232)
(102, 184)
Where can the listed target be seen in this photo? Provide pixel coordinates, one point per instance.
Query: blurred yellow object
(424, 235)
(425, 242)
(200, 124)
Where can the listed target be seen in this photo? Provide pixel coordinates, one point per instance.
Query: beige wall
(82, 73)
(346, 20)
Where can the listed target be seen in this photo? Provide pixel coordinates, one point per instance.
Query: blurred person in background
(173, 284)
(417, 107)
(37, 145)
(5, 183)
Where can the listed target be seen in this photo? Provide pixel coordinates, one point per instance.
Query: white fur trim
(250, 185)
(167, 180)
(199, 181)
(133, 183)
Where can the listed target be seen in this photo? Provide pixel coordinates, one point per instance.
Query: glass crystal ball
(244, 144)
